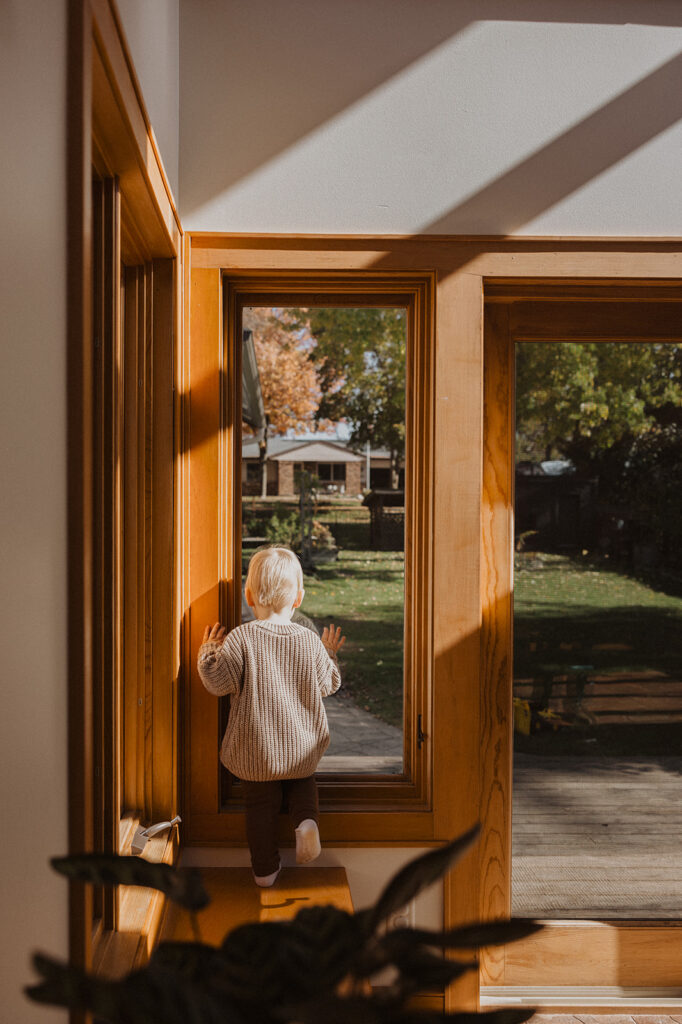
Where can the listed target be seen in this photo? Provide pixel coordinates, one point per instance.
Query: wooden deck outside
(597, 838)
(647, 697)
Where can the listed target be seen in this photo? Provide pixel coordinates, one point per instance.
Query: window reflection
(597, 637)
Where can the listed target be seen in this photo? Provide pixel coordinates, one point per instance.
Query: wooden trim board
(573, 952)
(365, 808)
(109, 137)
(469, 515)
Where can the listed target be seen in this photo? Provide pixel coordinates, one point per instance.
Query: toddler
(276, 673)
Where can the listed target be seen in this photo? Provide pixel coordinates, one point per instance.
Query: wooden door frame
(648, 953)
(466, 271)
(363, 808)
(109, 135)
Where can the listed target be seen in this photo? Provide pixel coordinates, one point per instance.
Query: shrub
(322, 536)
(284, 530)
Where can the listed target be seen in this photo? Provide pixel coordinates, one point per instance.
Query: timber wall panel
(470, 604)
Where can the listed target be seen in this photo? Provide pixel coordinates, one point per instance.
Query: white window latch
(143, 834)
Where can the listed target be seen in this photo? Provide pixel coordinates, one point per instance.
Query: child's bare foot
(307, 842)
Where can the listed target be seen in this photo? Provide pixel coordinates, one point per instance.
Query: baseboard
(611, 999)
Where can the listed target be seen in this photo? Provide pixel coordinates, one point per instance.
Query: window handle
(421, 735)
(143, 834)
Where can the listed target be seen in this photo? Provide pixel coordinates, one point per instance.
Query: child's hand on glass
(332, 639)
(216, 632)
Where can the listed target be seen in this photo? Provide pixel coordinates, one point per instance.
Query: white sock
(265, 881)
(307, 841)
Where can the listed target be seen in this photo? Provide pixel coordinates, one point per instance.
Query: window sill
(140, 911)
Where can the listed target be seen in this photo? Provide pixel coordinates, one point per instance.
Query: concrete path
(360, 742)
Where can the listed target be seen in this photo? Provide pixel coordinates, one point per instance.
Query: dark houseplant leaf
(416, 876)
(491, 1017)
(335, 938)
(148, 996)
(64, 985)
(192, 960)
(467, 937)
(331, 1009)
(421, 971)
(182, 885)
(271, 963)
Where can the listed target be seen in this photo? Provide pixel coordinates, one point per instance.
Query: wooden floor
(597, 838)
(237, 900)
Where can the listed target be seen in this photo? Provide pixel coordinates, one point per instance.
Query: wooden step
(237, 900)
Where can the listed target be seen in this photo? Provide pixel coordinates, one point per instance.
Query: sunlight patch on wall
(412, 151)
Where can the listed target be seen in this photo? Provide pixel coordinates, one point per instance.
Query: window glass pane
(597, 807)
(323, 472)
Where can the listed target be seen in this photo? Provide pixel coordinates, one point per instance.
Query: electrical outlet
(403, 918)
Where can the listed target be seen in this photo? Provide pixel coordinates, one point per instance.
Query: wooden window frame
(112, 569)
(361, 807)
(107, 536)
(358, 792)
(634, 953)
(108, 123)
(470, 713)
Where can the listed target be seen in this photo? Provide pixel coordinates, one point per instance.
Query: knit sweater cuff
(208, 651)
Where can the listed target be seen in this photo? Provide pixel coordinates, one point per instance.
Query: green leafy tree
(375, 403)
(651, 483)
(584, 401)
(360, 359)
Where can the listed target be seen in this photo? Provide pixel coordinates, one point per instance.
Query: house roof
(307, 449)
(278, 445)
(275, 446)
(317, 451)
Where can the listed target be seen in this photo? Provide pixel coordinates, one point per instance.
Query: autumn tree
(289, 379)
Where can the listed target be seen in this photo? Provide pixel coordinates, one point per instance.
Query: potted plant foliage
(322, 547)
(314, 969)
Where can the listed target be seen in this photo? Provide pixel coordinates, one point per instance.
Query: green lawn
(567, 612)
(567, 609)
(363, 593)
(571, 611)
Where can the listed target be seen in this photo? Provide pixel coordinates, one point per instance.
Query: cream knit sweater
(276, 675)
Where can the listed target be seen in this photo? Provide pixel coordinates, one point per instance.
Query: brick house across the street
(338, 469)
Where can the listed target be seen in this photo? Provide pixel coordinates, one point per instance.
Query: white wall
(151, 29)
(442, 116)
(33, 744)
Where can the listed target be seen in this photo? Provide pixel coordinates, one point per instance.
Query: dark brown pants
(264, 801)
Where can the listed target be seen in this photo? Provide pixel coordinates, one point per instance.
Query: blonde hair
(274, 577)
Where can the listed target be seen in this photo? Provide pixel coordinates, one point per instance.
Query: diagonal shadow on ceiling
(281, 64)
(575, 157)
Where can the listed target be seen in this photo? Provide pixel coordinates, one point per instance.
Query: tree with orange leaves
(289, 380)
